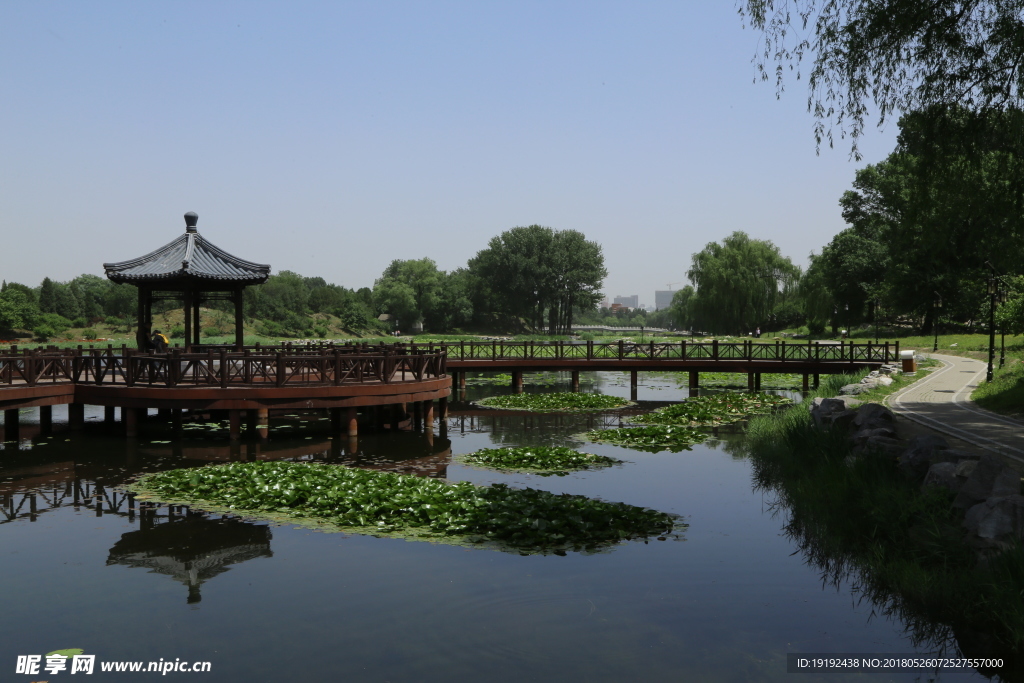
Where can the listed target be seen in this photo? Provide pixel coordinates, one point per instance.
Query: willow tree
(739, 283)
(897, 55)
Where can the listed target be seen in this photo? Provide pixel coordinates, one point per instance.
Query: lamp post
(937, 305)
(1002, 330)
(992, 288)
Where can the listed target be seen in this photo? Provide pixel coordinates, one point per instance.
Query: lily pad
(561, 402)
(542, 460)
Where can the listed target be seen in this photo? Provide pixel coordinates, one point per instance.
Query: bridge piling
(76, 416)
(11, 425)
(45, 419)
(110, 416)
(428, 416)
(694, 383)
(807, 382)
(352, 418)
(632, 385)
(234, 424)
(263, 423)
(575, 380)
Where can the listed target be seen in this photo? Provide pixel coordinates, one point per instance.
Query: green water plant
(542, 460)
(554, 402)
(651, 438)
(712, 411)
(334, 497)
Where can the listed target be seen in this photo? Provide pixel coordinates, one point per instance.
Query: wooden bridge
(388, 382)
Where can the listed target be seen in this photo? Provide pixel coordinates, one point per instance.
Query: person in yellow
(159, 341)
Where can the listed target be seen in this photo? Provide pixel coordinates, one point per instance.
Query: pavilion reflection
(190, 548)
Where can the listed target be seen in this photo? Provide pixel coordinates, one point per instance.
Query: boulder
(920, 454)
(965, 468)
(880, 445)
(995, 521)
(863, 435)
(990, 478)
(854, 389)
(942, 475)
(824, 410)
(874, 415)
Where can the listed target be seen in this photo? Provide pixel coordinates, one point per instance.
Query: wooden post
(694, 383)
(632, 385)
(336, 418)
(462, 380)
(130, 416)
(807, 382)
(395, 416)
(817, 380)
(575, 380)
(109, 416)
(11, 425)
(352, 425)
(442, 409)
(428, 415)
(517, 381)
(250, 421)
(76, 416)
(757, 381)
(417, 415)
(750, 382)
(45, 419)
(234, 424)
(176, 421)
(263, 423)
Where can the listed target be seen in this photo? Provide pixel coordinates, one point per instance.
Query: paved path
(941, 401)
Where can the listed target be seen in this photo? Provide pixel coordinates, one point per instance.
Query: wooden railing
(319, 366)
(714, 350)
(328, 364)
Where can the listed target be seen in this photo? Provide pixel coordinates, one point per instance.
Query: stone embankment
(984, 487)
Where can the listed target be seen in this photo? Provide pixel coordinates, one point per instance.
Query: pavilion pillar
(142, 334)
(239, 339)
(195, 321)
(188, 319)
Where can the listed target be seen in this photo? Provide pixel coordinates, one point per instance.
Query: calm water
(724, 602)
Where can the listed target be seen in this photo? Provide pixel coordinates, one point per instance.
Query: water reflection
(190, 547)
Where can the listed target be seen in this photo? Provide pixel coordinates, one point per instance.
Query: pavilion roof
(190, 259)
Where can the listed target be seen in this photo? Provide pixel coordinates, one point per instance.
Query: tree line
(531, 278)
(928, 229)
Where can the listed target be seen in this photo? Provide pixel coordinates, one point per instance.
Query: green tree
(67, 303)
(738, 283)
(680, 307)
(409, 290)
(529, 275)
(48, 296)
(900, 55)
(17, 309)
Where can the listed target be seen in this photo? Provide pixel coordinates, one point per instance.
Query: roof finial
(190, 221)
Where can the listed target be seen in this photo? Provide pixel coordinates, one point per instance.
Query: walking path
(941, 401)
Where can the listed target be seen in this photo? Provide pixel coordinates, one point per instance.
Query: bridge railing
(220, 367)
(712, 350)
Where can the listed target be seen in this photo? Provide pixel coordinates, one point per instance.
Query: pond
(725, 600)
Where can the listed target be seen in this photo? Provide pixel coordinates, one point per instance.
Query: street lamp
(1003, 296)
(937, 304)
(993, 287)
(874, 316)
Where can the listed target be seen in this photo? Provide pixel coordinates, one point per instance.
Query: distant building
(663, 299)
(632, 301)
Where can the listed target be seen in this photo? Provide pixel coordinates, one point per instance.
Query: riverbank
(904, 546)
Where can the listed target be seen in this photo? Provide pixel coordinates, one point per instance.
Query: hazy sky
(329, 138)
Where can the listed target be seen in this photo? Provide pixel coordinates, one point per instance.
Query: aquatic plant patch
(554, 402)
(652, 438)
(386, 503)
(542, 460)
(711, 411)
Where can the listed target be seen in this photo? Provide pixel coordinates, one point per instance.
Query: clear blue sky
(329, 138)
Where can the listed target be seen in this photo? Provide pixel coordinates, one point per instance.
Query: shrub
(587, 336)
(79, 322)
(177, 332)
(43, 332)
(321, 331)
(90, 333)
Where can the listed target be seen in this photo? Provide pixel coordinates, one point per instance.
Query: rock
(921, 454)
(995, 521)
(884, 381)
(965, 468)
(863, 435)
(824, 410)
(943, 475)
(990, 478)
(854, 389)
(874, 415)
(880, 445)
